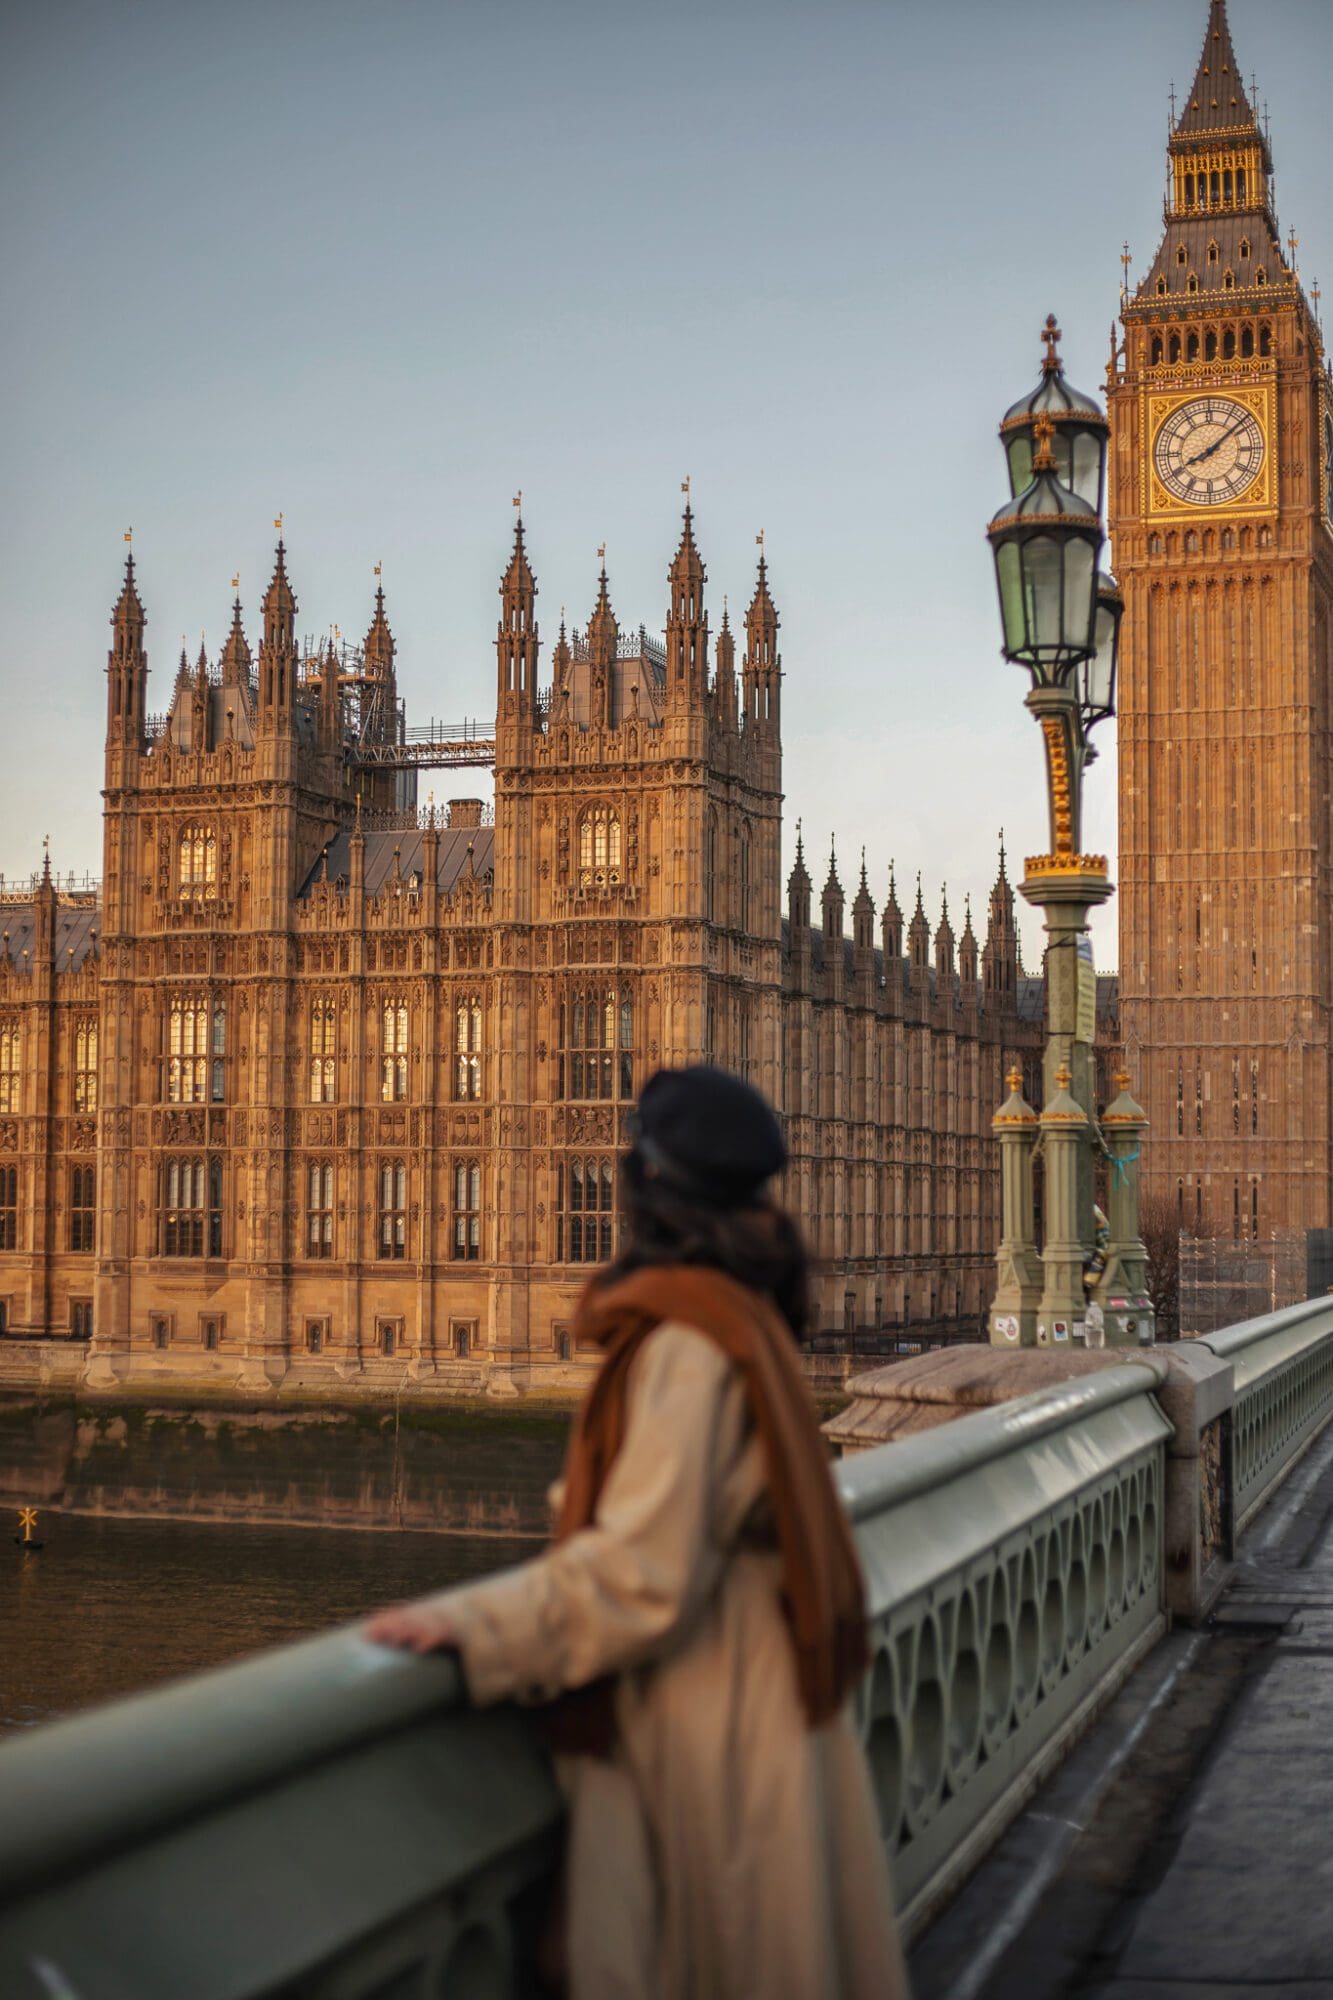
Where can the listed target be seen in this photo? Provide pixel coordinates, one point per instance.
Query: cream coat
(727, 1850)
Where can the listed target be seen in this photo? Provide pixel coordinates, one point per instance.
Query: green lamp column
(1013, 1317)
(1122, 1289)
(1064, 1137)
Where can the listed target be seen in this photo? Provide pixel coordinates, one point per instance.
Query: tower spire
(1216, 99)
(277, 650)
(918, 934)
(127, 665)
(236, 652)
(603, 636)
(1220, 165)
(687, 625)
(516, 639)
(761, 671)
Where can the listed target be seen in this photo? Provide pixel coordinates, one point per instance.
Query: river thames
(111, 1606)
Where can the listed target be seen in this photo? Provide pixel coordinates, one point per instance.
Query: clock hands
(1217, 443)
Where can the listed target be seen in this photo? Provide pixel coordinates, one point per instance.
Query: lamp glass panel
(1098, 677)
(1085, 474)
(1009, 572)
(1044, 590)
(1080, 580)
(1019, 449)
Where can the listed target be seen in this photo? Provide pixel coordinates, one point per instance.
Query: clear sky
(378, 266)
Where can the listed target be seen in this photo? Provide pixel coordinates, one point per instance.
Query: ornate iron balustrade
(1015, 1575)
(1283, 1365)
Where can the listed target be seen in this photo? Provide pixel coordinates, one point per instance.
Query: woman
(700, 1615)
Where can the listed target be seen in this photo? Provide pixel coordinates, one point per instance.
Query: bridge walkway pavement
(1184, 1851)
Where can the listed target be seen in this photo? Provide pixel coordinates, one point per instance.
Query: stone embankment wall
(464, 1469)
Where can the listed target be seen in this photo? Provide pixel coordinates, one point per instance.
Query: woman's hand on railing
(423, 1627)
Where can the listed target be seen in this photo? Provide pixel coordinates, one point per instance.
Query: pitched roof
(409, 841)
(77, 925)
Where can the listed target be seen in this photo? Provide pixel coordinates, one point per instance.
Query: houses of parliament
(321, 1087)
(327, 1087)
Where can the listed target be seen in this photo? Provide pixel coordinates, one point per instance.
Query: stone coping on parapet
(927, 1390)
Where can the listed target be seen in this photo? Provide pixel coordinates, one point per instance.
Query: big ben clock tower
(1221, 498)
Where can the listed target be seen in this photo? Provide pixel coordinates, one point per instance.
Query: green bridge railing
(331, 1821)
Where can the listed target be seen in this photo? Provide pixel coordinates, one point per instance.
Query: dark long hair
(760, 1245)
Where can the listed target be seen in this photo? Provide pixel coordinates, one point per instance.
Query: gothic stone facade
(1222, 517)
(323, 1089)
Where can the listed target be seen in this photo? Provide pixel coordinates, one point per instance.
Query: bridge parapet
(1283, 1368)
(331, 1820)
(1014, 1563)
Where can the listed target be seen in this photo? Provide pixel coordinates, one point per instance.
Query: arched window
(1192, 285)
(196, 1049)
(1229, 285)
(1247, 342)
(1261, 276)
(743, 876)
(1229, 342)
(596, 1055)
(85, 1066)
(319, 1209)
(1210, 347)
(190, 1207)
(198, 861)
(9, 1208)
(599, 846)
(1181, 257)
(323, 1049)
(1156, 349)
(83, 1208)
(467, 1210)
(11, 1058)
(393, 1052)
(392, 1234)
(1212, 253)
(710, 864)
(1192, 347)
(1173, 349)
(585, 1210)
(1244, 246)
(1161, 288)
(1265, 339)
(467, 1048)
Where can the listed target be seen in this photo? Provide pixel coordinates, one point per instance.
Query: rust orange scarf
(823, 1596)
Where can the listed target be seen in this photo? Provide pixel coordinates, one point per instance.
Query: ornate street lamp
(1060, 618)
(1080, 435)
(1046, 544)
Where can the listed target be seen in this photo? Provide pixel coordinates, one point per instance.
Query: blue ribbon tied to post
(1123, 1165)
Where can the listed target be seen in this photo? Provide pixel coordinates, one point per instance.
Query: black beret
(708, 1134)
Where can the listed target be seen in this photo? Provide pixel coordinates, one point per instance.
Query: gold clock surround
(1257, 400)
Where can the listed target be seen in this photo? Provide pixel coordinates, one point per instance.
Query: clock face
(1209, 451)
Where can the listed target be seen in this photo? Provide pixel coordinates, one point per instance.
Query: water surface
(112, 1606)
